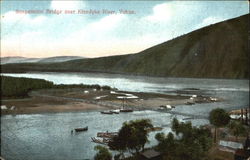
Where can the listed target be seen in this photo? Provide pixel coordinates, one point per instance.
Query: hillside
(59, 59)
(7, 60)
(217, 51)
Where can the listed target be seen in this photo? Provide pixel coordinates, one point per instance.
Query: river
(47, 136)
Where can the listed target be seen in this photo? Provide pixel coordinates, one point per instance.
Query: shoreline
(48, 111)
(84, 100)
(114, 73)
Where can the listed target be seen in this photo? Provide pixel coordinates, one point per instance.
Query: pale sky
(103, 34)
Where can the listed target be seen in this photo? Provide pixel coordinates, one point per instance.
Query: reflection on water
(47, 136)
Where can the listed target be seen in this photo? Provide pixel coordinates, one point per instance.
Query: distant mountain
(217, 51)
(59, 59)
(6, 60)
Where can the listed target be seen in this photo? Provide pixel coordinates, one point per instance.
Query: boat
(107, 112)
(107, 134)
(190, 103)
(103, 141)
(117, 111)
(166, 107)
(126, 110)
(153, 129)
(81, 129)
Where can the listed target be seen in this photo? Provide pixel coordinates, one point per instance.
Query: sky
(103, 28)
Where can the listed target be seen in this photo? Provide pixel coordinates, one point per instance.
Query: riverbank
(78, 100)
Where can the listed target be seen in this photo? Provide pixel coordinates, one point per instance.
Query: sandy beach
(75, 100)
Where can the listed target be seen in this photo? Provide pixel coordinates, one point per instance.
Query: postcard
(137, 80)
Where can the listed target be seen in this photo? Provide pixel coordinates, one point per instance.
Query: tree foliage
(103, 153)
(131, 137)
(19, 87)
(190, 142)
(237, 128)
(219, 117)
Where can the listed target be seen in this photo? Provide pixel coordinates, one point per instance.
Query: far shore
(81, 100)
(19, 71)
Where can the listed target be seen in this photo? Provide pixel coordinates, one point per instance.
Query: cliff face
(217, 51)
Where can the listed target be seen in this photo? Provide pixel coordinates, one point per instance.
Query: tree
(131, 137)
(166, 145)
(237, 129)
(191, 143)
(103, 153)
(175, 125)
(219, 118)
(118, 144)
(181, 128)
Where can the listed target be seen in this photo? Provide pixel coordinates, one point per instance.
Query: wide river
(47, 136)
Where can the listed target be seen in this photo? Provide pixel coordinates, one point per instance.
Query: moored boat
(107, 112)
(166, 107)
(81, 129)
(107, 134)
(117, 111)
(190, 103)
(154, 129)
(100, 141)
(123, 108)
(126, 110)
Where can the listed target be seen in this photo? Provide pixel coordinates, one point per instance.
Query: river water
(47, 136)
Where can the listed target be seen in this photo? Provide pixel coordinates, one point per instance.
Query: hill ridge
(216, 51)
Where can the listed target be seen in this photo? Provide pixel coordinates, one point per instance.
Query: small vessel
(126, 110)
(107, 112)
(100, 141)
(81, 129)
(190, 103)
(166, 107)
(117, 111)
(153, 129)
(107, 134)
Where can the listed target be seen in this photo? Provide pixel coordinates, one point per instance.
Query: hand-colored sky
(87, 35)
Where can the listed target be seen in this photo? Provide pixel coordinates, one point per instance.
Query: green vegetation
(237, 129)
(217, 51)
(19, 87)
(12, 87)
(219, 118)
(190, 142)
(103, 153)
(131, 137)
(187, 141)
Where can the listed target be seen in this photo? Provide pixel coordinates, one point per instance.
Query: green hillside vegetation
(19, 87)
(12, 87)
(217, 51)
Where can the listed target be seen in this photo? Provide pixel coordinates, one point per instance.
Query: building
(150, 154)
